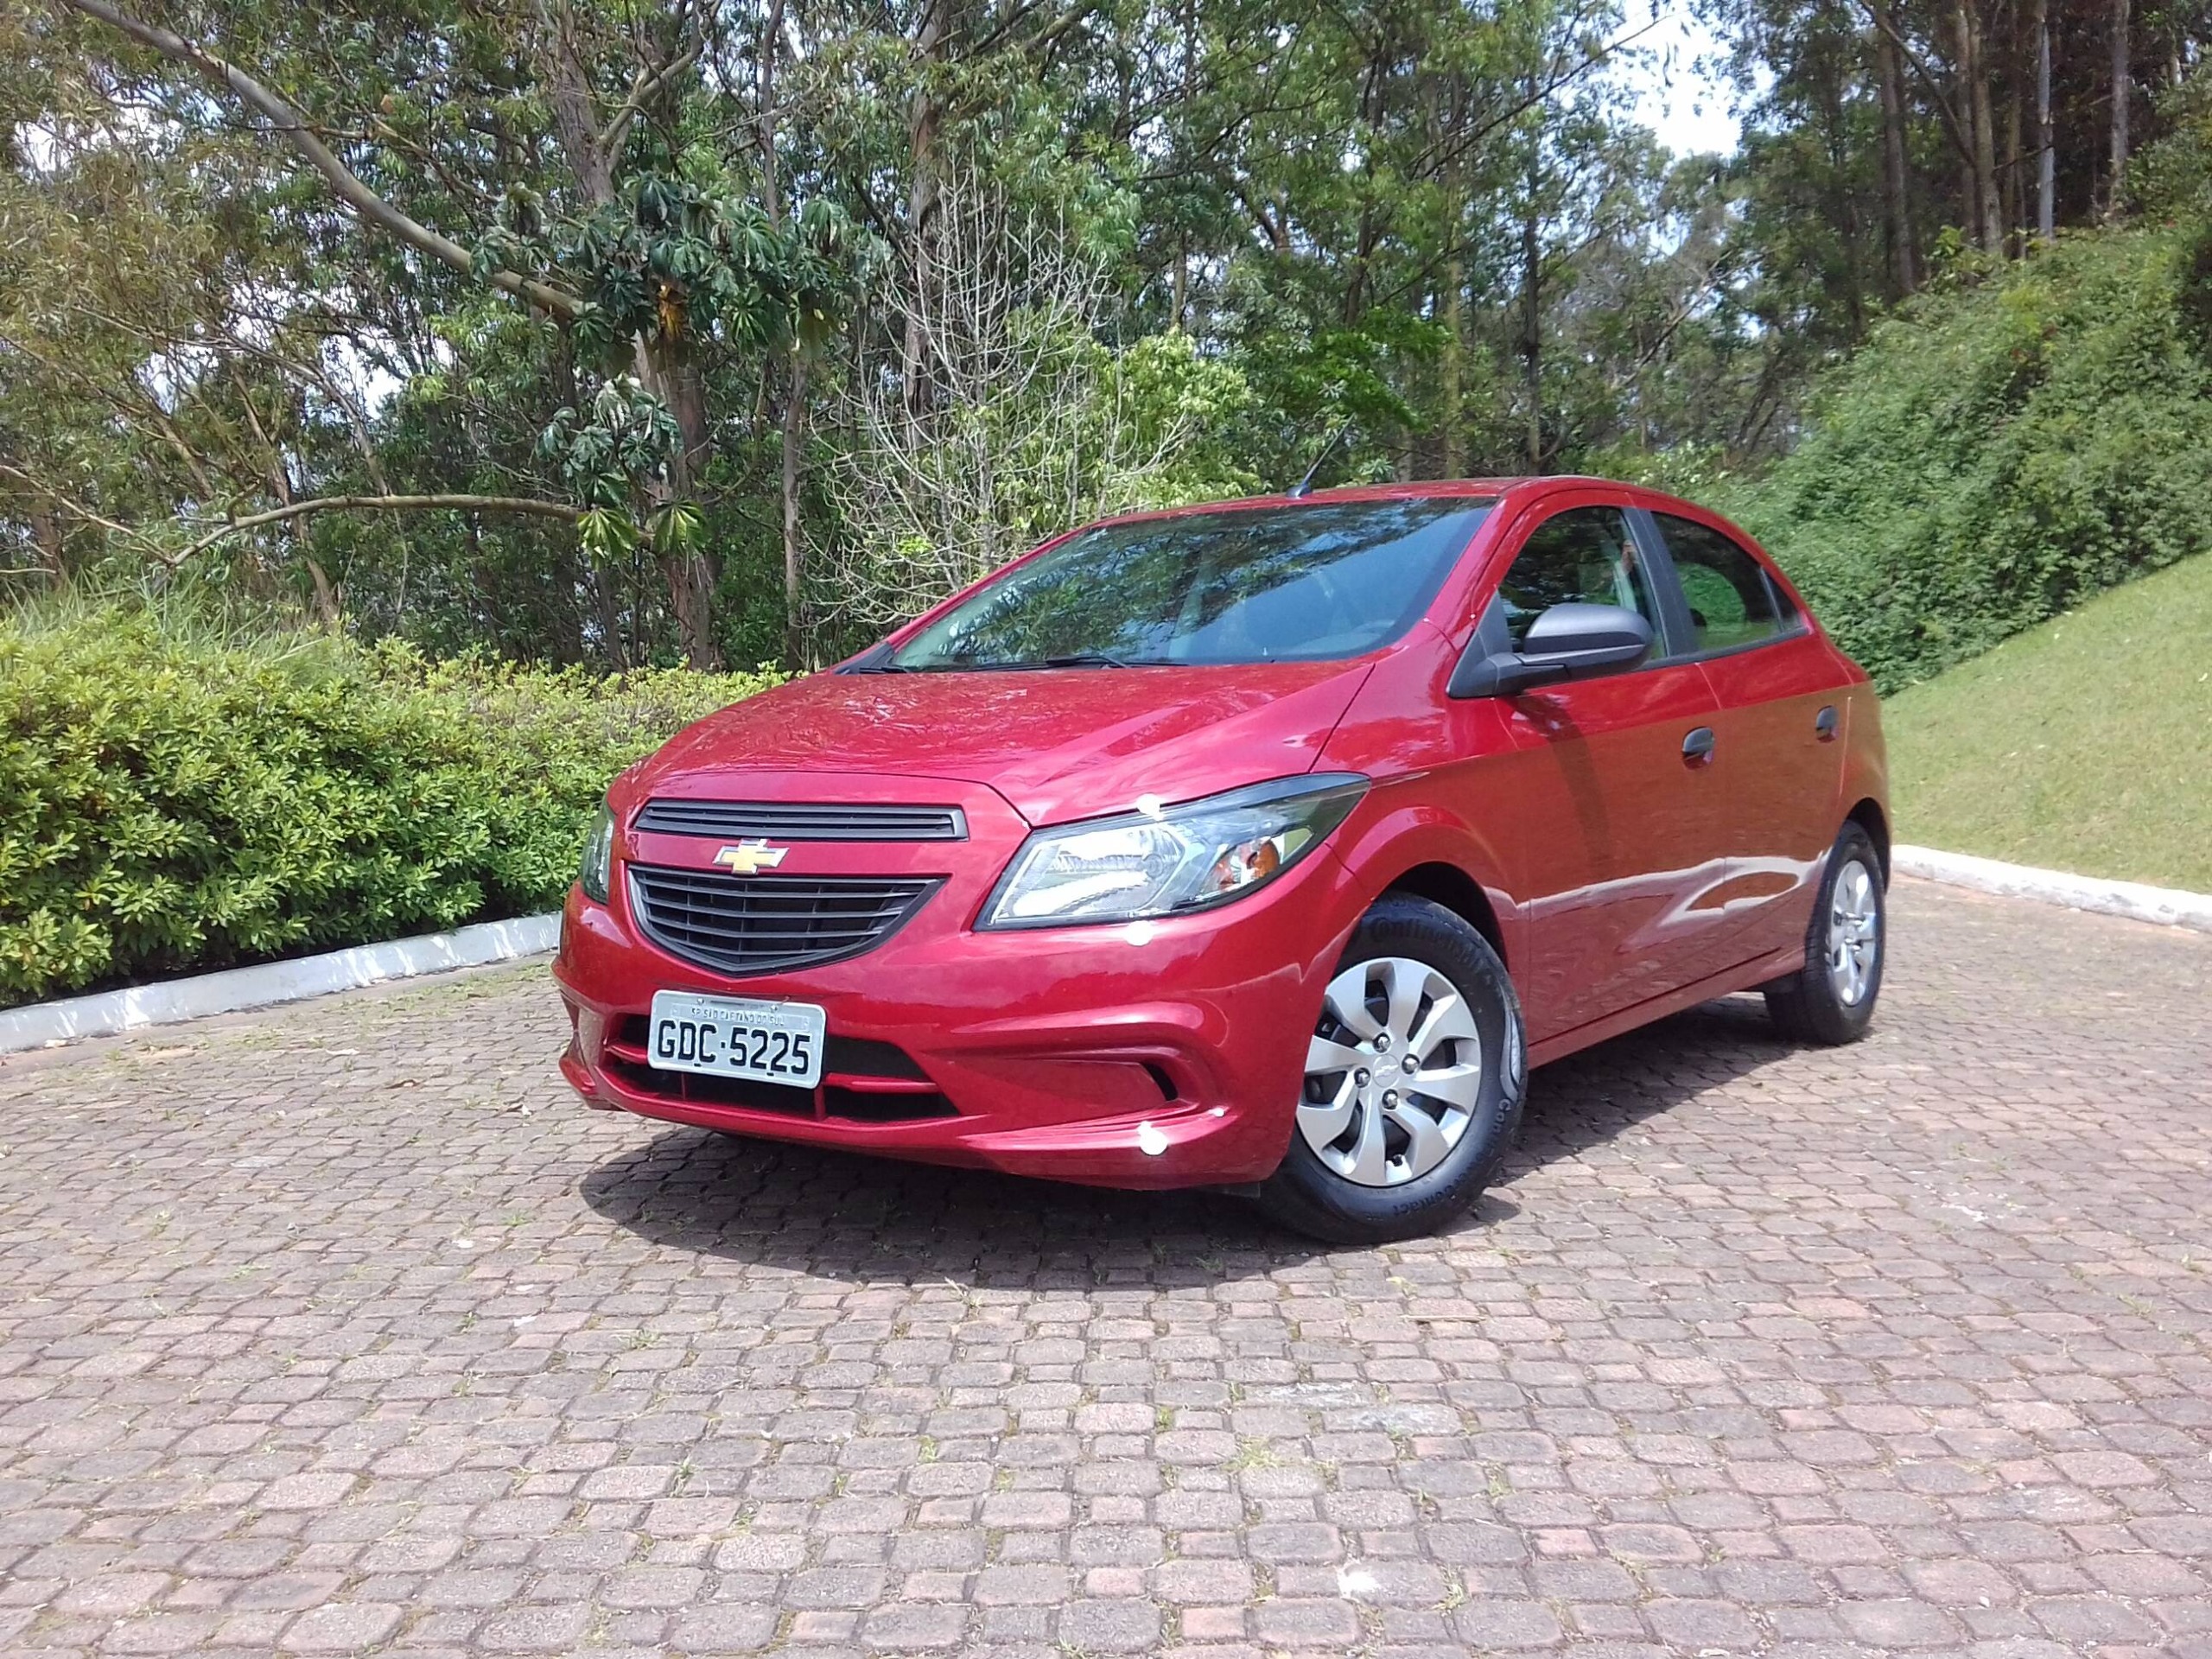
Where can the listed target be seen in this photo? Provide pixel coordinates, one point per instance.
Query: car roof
(1487, 490)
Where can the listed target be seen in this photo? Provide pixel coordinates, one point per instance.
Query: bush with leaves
(2000, 452)
(170, 803)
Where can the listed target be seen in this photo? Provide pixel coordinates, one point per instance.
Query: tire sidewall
(1854, 846)
(1317, 1198)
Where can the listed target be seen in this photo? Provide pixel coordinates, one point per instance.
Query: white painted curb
(175, 1000)
(2168, 907)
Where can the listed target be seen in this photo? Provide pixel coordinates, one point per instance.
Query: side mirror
(1567, 642)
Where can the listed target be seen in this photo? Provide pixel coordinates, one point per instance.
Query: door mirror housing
(1566, 642)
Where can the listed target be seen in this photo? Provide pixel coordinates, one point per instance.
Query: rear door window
(1731, 604)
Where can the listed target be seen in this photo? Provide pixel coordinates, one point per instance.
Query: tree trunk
(793, 427)
(1989, 207)
(925, 195)
(1843, 202)
(45, 534)
(2046, 153)
(1897, 206)
(1532, 324)
(661, 369)
(1455, 351)
(1183, 238)
(764, 99)
(327, 610)
(1969, 178)
(795, 652)
(2123, 87)
(2015, 199)
(691, 573)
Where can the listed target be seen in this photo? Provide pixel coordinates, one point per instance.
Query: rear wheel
(1832, 1000)
(1414, 1075)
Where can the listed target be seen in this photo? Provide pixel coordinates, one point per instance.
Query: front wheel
(1832, 1000)
(1414, 1075)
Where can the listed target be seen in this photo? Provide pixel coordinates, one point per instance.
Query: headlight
(598, 868)
(1171, 859)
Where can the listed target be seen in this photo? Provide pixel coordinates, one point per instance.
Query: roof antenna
(1304, 486)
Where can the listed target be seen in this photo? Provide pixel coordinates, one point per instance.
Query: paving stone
(340, 1627)
(343, 1327)
(1126, 1625)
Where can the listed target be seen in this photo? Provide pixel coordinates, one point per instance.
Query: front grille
(788, 821)
(761, 924)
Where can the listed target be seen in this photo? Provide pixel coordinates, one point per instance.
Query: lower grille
(762, 923)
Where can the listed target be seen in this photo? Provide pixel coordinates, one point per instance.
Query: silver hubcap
(1394, 1072)
(1854, 933)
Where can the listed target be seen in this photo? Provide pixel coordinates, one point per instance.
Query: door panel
(1782, 777)
(1617, 836)
(1780, 765)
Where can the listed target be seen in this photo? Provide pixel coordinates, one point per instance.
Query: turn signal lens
(1245, 863)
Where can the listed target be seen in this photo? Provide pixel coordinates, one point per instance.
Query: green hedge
(2000, 452)
(170, 804)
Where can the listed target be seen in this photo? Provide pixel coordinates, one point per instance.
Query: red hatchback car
(1261, 846)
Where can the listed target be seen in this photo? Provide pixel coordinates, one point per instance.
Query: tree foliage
(2000, 453)
(586, 330)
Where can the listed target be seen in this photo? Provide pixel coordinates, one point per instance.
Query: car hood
(1057, 743)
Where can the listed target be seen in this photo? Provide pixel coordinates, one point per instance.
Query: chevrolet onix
(1262, 846)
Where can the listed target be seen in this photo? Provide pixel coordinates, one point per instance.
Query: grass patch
(2084, 745)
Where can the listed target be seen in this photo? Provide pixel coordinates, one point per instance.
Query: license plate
(735, 1037)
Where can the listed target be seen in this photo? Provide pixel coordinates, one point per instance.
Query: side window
(1582, 555)
(1731, 602)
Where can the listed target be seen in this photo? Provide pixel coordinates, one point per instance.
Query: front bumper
(1163, 1055)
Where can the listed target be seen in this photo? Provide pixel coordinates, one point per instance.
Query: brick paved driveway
(342, 1328)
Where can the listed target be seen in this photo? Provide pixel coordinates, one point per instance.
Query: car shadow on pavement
(849, 1217)
(1598, 1095)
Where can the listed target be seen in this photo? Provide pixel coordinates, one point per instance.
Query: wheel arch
(1867, 814)
(1444, 883)
(1420, 849)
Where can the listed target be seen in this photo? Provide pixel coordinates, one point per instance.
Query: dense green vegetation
(599, 331)
(611, 336)
(2001, 451)
(171, 797)
(2084, 745)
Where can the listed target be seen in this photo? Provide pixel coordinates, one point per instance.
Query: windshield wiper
(888, 664)
(876, 659)
(1071, 659)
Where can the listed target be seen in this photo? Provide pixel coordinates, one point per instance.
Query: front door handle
(1697, 747)
(1824, 724)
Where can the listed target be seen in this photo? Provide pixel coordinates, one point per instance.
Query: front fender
(1401, 832)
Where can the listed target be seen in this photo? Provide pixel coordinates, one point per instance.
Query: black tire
(1813, 1006)
(1307, 1196)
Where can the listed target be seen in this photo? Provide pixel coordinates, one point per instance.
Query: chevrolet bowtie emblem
(750, 857)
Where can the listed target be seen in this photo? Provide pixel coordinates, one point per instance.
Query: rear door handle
(1697, 747)
(1824, 724)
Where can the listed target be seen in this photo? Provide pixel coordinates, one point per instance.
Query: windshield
(1265, 585)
